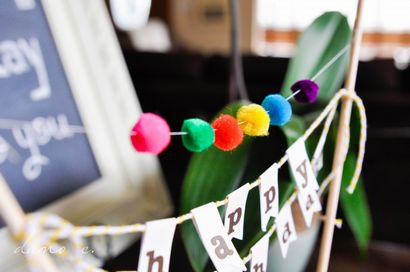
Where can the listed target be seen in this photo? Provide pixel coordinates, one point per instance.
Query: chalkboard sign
(44, 153)
(67, 105)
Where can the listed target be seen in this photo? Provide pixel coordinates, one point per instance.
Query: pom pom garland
(150, 134)
(228, 134)
(278, 108)
(253, 119)
(305, 91)
(199, 135)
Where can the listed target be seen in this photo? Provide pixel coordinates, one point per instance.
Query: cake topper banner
(51, 230)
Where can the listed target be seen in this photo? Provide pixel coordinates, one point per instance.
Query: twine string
(52, 228)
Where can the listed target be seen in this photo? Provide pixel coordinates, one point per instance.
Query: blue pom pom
(279, 109)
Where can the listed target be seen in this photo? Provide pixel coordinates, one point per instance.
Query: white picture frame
(131, 188)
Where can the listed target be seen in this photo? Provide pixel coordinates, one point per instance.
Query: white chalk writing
(21, 56)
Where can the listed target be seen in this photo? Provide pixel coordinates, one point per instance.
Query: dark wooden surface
(381, 257)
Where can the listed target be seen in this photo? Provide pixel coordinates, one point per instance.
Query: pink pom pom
(151, 134)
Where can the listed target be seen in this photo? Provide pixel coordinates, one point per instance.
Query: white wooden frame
(131, 188)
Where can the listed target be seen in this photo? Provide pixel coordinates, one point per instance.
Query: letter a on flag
(222, 252)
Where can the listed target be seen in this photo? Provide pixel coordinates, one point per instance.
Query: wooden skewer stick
(14, 218)
(341, 145)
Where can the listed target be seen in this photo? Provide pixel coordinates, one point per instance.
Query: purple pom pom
(308, 91)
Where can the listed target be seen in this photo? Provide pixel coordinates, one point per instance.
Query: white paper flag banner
(220, 249)
(235, 212)
(285, 228)
(269, 195)
(156, 245)
(309, 203)
(259, 261)
(301, 168)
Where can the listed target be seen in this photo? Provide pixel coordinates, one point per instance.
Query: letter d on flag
(285, 228)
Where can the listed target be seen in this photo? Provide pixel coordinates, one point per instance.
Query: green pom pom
(200, 135)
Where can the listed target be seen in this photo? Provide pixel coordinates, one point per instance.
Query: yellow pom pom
(253, 119)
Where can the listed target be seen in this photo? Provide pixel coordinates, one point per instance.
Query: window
(386, 24)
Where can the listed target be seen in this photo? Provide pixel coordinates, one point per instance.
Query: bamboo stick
(341, 145)
(14, 218)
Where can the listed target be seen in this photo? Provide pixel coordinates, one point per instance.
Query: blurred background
(179, 62)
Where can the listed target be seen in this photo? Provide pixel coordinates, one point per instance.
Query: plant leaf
(294, 129)
(355, 206)
(211, 175)
(316, 46)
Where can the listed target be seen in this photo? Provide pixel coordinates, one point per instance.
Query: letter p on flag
(269, 195)
(235, 212)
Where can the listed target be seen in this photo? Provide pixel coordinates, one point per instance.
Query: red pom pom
(228, 134)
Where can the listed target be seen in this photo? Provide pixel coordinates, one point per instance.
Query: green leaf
(294, 129)
(316, 46)
(355, 206)
(211, 175)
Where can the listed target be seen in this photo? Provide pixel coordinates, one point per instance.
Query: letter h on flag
(156, 246)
